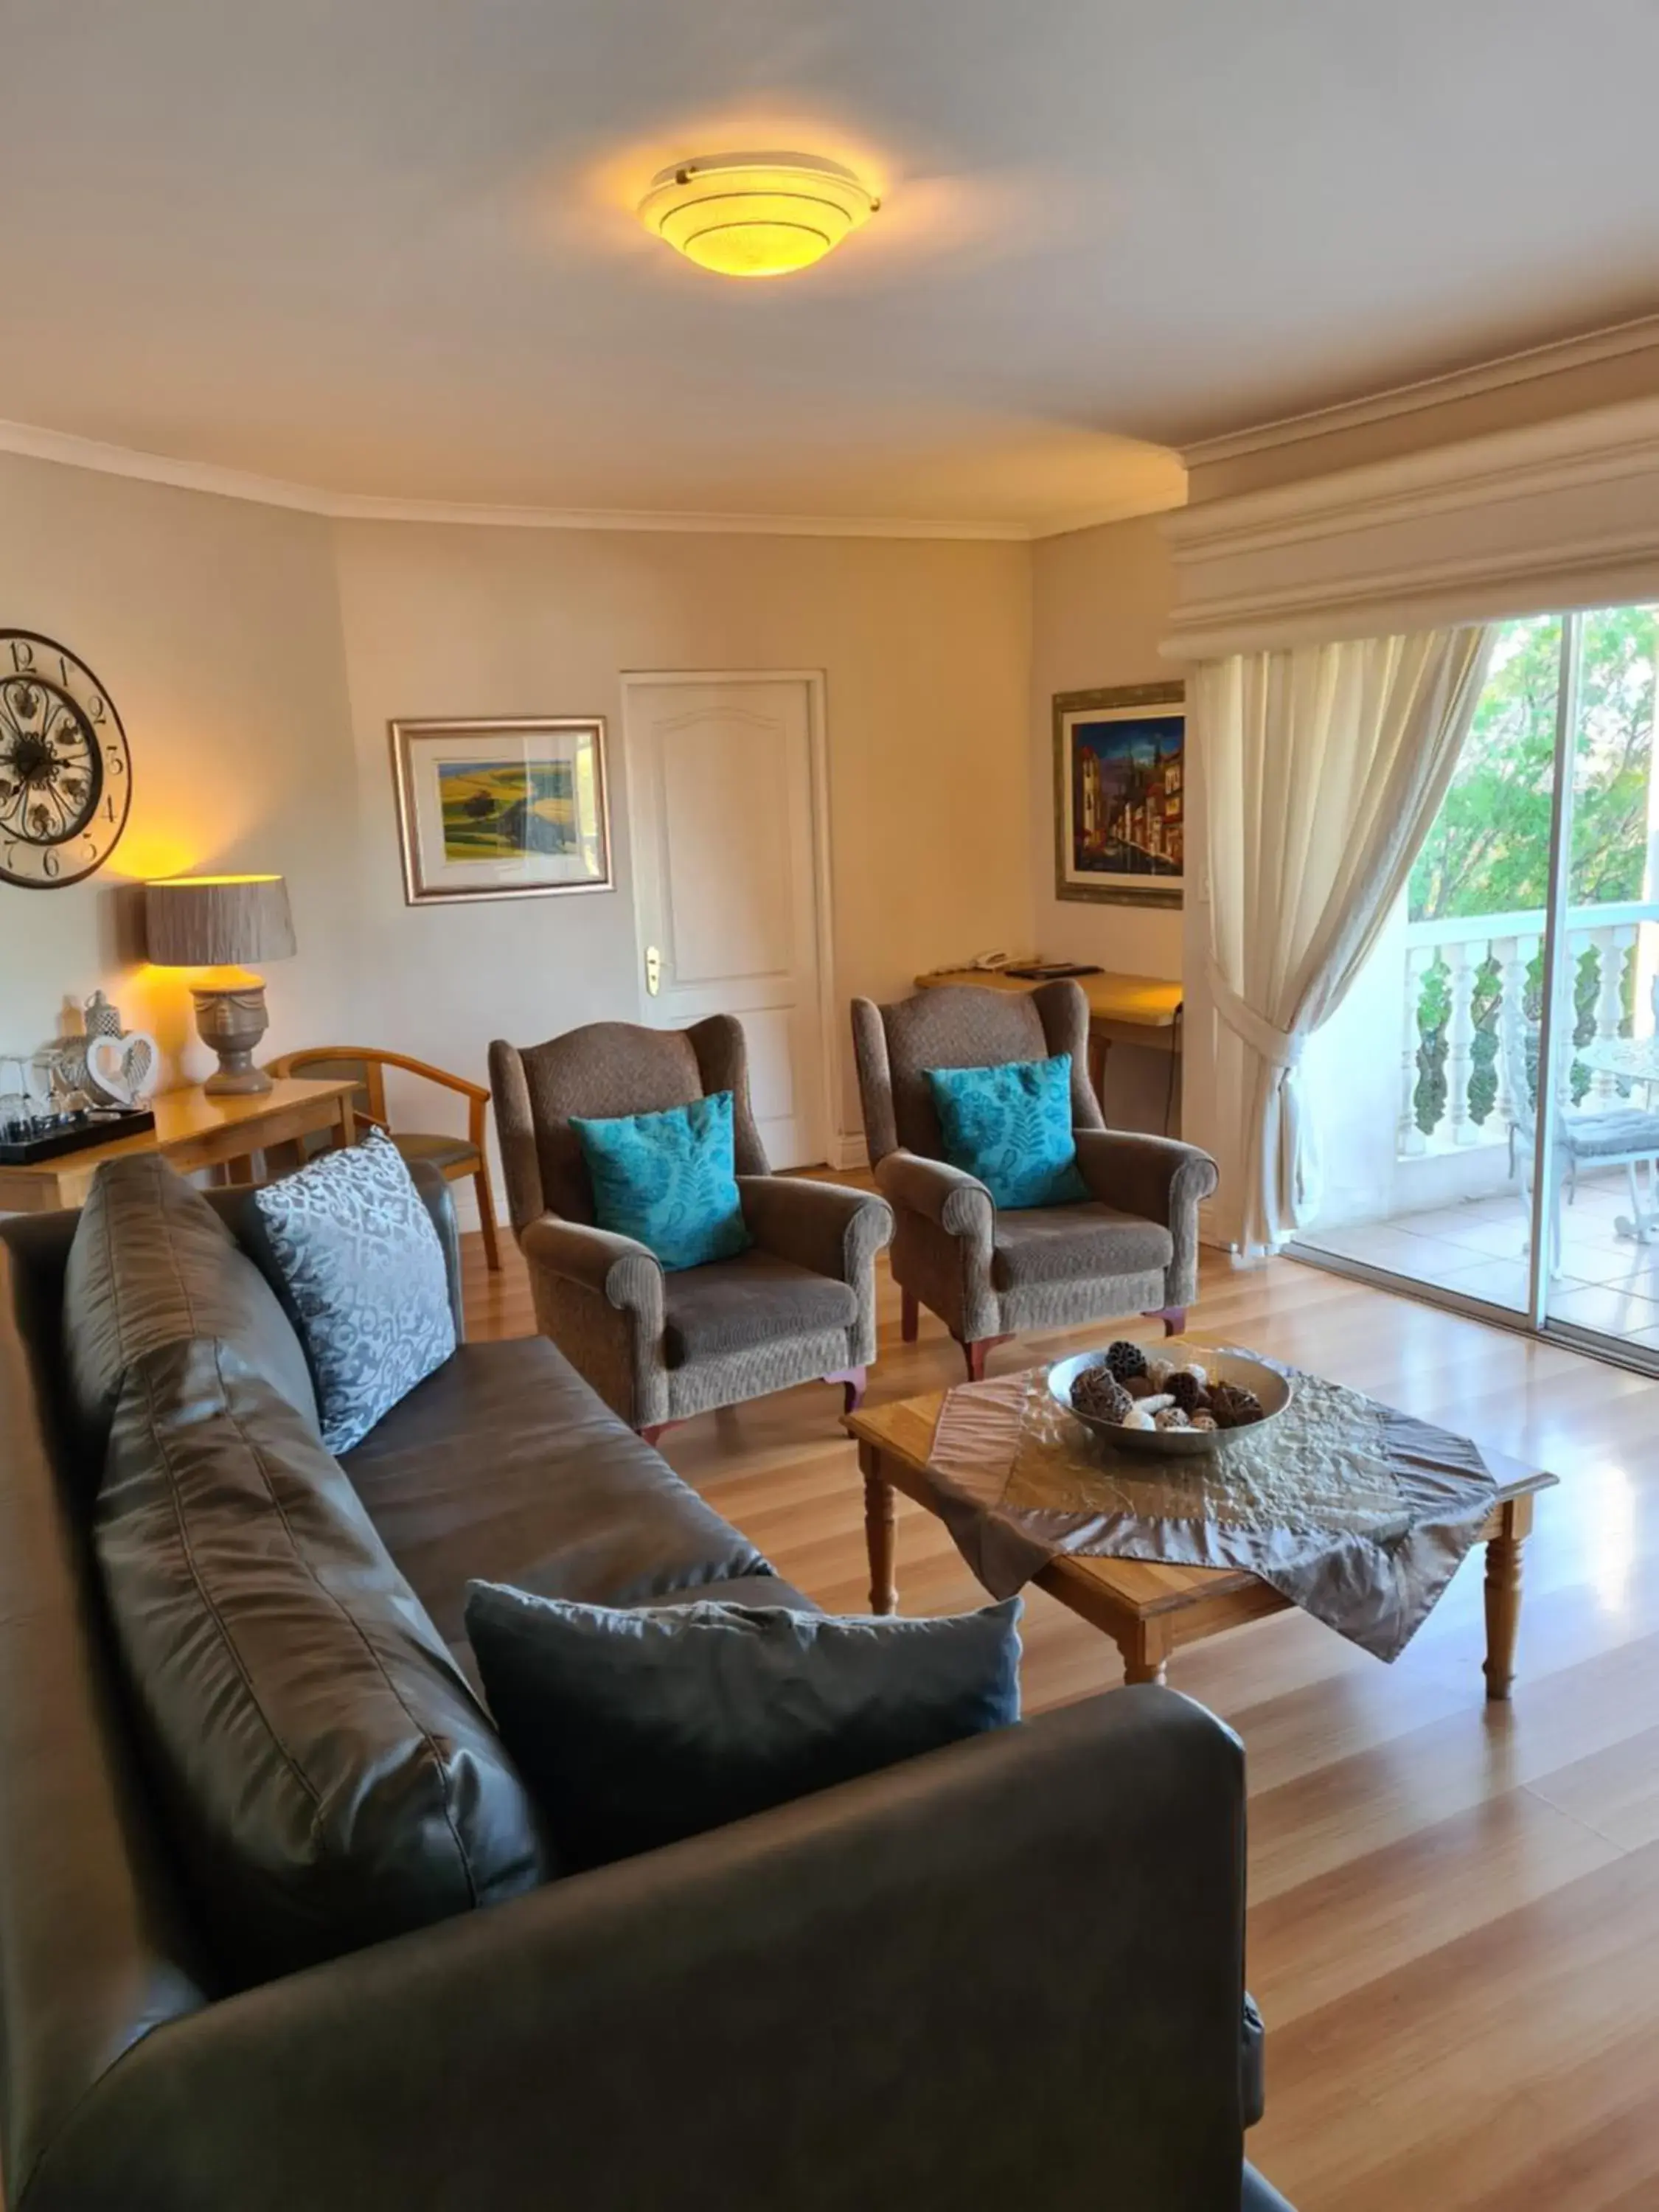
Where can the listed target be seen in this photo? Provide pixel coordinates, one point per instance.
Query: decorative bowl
(1269, 1385)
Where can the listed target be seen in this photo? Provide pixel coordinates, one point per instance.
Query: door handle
(653, 969)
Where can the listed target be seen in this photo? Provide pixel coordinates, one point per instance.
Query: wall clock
(65, 772)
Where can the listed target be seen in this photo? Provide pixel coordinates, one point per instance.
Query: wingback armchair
(660, 1346)
(1132, 1247)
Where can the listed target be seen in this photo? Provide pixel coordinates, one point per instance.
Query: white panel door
(720, 778)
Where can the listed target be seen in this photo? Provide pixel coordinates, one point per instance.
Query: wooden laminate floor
(1455, 1907)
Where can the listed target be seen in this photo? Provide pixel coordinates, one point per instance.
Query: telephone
(990, 962)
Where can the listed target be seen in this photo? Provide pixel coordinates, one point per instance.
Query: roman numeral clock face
(65, 773)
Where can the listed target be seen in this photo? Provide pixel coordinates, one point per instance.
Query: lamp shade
(217, 922)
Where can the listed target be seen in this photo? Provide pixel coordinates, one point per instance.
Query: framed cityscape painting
(502, 809)
(1119, 794)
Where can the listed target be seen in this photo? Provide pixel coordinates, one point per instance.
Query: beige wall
(214, 625)
(256, 655)
(1100, 606)
(925, 648)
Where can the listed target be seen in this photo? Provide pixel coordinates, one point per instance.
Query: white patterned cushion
(355, 1246)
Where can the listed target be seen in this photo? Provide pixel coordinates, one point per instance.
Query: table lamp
(213, 924)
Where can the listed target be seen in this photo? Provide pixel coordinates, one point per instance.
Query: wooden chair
(453, 1157)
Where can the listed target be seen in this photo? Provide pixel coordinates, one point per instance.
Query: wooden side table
(192, 1131)
(1141, 1010)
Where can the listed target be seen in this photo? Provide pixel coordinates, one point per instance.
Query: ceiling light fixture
(756, 214)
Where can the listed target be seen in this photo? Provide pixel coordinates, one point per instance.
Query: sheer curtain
(1324, 766)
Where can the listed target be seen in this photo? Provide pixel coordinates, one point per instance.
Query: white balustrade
(1412, 1139)
(1465, 965)
(1511, 943)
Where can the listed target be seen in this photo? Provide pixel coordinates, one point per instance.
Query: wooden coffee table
(1149, 1610)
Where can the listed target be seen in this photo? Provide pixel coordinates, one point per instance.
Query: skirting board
(851, 1149)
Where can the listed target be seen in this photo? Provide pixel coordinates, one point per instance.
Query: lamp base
(231, 1023)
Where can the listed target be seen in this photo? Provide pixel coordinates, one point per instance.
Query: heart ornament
(118, 1068)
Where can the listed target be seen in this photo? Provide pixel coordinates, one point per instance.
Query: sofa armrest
(624, 1272)
(949, 1197)
(1154, 1178)
(821, 1225)
(1013, 1965)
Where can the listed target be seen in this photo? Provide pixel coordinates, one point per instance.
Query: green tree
(1488, 851)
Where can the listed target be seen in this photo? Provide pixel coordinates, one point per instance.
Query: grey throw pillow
(355, 1245)
(634, 1729)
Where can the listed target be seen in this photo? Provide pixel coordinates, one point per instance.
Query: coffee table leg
(1146, 1654)
(1504, 1595)
(880, 1512)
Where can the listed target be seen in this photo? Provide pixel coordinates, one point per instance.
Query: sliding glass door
(1598, 1134)
(1528, 942)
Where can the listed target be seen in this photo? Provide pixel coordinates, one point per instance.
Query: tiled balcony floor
(1606, 1281)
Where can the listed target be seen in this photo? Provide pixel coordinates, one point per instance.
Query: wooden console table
(192, 1131)
(1139, 1010)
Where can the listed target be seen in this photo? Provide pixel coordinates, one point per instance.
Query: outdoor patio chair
(1612, 1137)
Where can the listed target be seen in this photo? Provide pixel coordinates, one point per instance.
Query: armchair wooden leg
(1174, 1318)
(486, 1220)
(909, 1315)
(975, 1353)
(656, 1429)
(853, 1381)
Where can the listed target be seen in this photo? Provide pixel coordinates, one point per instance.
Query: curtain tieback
(1282, 1050)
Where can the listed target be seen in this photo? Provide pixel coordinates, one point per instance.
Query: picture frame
(1120, 795)
(516, 807)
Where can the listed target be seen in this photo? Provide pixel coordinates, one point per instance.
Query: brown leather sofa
(1007, 1973)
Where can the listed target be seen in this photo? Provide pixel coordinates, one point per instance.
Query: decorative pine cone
(1234, 1407)
(1139, 1386)
(1124, 1359)
(1185, 1388)
(1100, 1394)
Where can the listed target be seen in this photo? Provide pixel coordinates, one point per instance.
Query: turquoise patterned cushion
(1011, 1127)
(668, 1180)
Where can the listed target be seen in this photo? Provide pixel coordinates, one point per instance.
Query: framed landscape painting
(501, 810)
(1121, 794)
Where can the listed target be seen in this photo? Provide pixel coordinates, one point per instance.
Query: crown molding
(1563, 454)
(1639, 335)
(1564, 513)
(1588, 572)
(69, 451)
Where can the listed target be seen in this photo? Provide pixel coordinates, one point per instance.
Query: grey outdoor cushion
(1612, 1135)
(1060, 1243)
(732, 1305)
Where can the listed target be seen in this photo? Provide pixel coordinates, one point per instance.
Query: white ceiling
(385, 246)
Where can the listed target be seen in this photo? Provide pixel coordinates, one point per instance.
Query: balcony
(1425, 1173)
